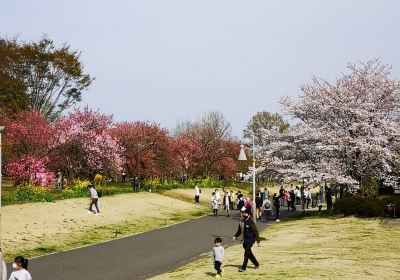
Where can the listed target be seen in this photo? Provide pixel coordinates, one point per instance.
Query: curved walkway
(139, 256)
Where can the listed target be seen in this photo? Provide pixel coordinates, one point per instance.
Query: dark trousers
(217, 266)
(276, 213)
(215, 212)
(94, 201)
(248, 254)
(329, 205)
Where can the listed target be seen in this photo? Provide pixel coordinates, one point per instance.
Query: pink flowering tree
(29, 169)
(188, 155)
(84, 146)
(207, 146)
(344, 131)
(27, 134)
(26, 148)
(148, 149)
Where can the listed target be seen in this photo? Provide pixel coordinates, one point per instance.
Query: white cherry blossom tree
(344, 131)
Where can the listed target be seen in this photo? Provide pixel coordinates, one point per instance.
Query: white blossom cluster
(344, 131)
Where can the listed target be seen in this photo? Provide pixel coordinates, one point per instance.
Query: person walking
(308, 197)
(277, 205)
(328, 198)
(218, 256)
(94, 199)
(248, 205)
(259, 202)
(282, 196)
(59, 179)
(218, 196)
(21, 269)
(197, 193)
(267, 209)
(240, 200)
(227, 203)
(292, 200)
(298, 195)
(214, 204)
(248, 228)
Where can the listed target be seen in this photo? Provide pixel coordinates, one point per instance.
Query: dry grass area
(35, 229)
(312, 248)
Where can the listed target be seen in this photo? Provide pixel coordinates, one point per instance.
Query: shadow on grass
(45, 250)
(233, 265)
(299, 215)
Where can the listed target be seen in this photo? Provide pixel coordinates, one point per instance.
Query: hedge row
(366, 206)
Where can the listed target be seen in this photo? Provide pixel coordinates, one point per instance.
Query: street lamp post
(242, 156)
(3, 269)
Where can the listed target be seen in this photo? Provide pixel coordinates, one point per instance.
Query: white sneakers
(277, 220)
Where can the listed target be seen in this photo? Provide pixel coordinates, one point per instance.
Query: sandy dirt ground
(29, 223)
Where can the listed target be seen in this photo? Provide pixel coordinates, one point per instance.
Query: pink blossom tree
(27, 142)
(84, 146)
(148, 149)
(345, 131)
(187, 153)
(29, 169)
(210, 141)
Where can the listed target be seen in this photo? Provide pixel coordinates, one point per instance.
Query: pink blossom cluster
(31, 170)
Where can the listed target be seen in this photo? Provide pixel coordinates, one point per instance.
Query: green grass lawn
(312, 248)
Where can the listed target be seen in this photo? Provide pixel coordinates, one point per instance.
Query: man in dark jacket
(248, 228)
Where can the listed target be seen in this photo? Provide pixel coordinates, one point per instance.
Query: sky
(170, 61)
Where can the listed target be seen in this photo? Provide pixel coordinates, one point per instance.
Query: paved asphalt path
(139, 256)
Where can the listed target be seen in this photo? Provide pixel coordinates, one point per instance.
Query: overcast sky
(168, 61)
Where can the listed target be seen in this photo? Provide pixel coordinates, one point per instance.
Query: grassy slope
(312, 248)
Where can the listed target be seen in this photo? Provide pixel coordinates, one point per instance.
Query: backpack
(267, 205)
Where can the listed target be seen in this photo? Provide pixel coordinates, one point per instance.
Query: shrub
(32, 193)
(369, 187)
(360, 206)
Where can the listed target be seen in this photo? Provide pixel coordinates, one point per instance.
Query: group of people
(227, 201)
(218, 201)
(264, 205)
(302, 196)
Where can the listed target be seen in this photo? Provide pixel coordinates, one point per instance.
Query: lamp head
(242, 154)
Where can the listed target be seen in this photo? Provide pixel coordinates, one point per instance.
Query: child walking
(214, 204)
(21, 269)
(218, 256)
